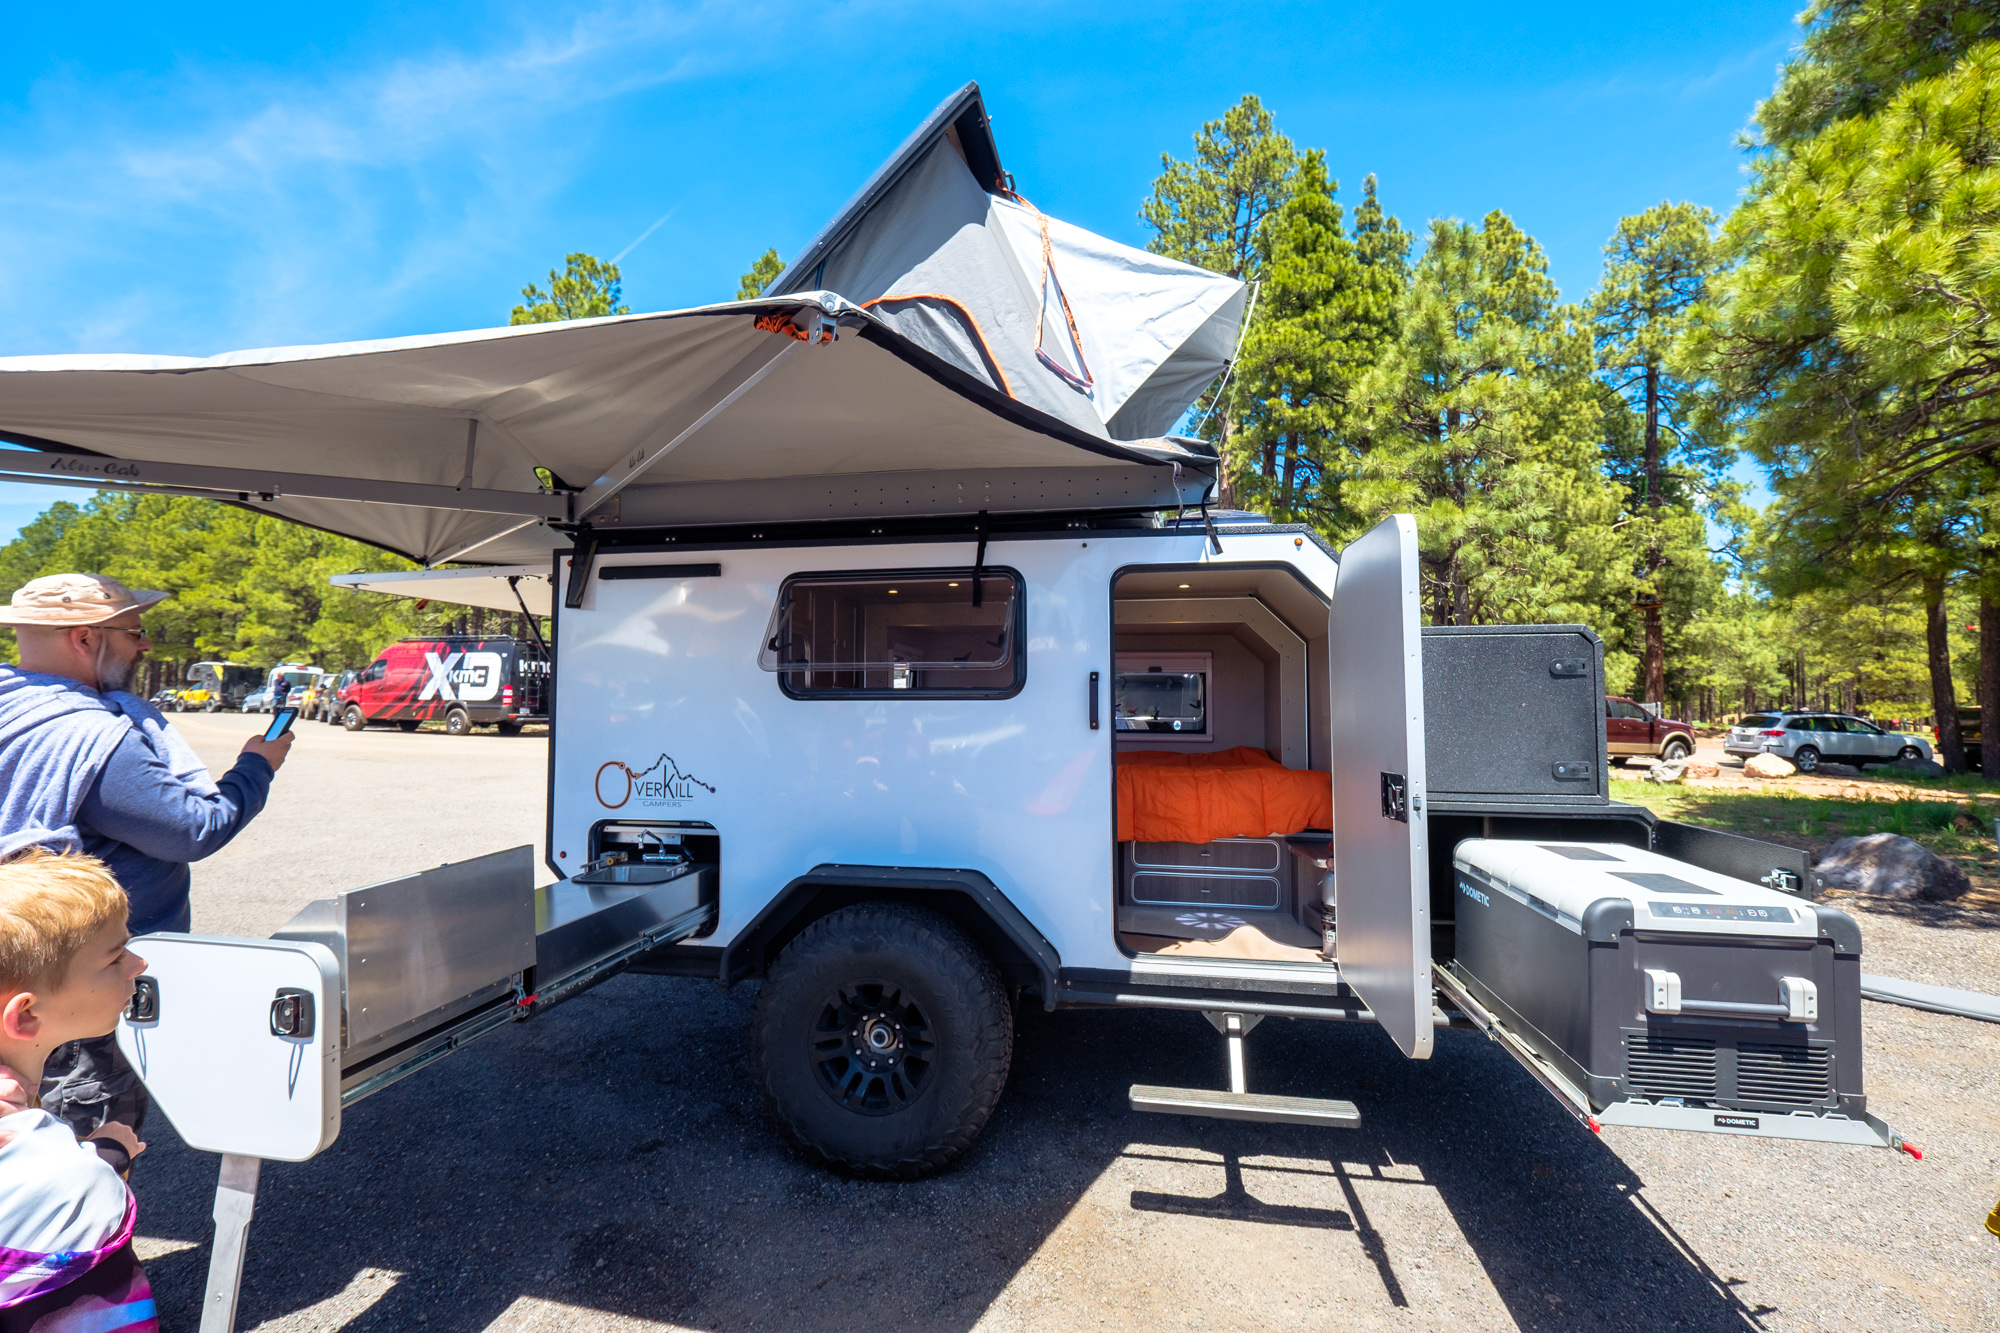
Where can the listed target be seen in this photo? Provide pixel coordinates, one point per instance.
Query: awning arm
(129, 474)
(745, 374)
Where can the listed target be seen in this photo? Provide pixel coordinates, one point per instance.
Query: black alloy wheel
(882, 1039)
(873, 1047)
(457, 722)
(1807, 759)
(355, 719)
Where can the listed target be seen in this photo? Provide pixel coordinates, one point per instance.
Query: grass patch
(1956, 829)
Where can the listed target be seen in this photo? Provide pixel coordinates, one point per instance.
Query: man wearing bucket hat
(87, 765)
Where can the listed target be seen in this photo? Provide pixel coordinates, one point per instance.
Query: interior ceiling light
(1184, 585)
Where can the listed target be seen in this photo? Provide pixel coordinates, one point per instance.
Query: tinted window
(896, 634)
(1759, 721)
(1171, 702)
(1798, 724)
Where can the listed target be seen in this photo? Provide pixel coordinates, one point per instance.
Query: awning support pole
(534, 626)
(471, 448)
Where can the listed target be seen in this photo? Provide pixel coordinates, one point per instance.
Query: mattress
(1239, 793)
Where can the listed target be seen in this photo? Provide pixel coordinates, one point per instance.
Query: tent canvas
(489, 446)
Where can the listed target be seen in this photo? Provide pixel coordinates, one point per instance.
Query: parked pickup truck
(1630, 730)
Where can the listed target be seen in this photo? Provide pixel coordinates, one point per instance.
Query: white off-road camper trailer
(901, 666)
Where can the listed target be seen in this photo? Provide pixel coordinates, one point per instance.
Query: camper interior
(1220, 718)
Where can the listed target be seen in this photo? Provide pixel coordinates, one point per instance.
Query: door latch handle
(144, 1006)
(292, 1013)
(1395, 798)
(1093, 701)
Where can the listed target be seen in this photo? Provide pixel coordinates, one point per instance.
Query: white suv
(1807, 738)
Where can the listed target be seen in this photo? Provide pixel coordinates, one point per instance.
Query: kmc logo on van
(472, 678)
(663, 784)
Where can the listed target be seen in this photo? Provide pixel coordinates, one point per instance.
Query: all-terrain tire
(354, 719)
(887, 964)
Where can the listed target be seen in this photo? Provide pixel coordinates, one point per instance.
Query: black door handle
(1093, 701)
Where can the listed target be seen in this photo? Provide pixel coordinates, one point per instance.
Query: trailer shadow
(613, 1157)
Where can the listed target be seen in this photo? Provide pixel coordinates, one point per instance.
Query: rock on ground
(1828, 769)
(1891, 866)
(1768, 766)
(1665, 773)
(1696, 770)
(1916, 768)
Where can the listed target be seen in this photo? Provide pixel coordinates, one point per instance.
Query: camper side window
(910, 634)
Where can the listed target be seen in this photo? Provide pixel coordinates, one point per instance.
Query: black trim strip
(614, 573)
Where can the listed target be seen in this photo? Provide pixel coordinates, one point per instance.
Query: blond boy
(66, 1218)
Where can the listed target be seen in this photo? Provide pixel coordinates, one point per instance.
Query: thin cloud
(314, 204)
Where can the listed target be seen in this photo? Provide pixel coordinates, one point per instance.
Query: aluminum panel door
(1381, 875)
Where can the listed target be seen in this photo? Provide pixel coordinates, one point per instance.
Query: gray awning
(801, 405)
(493, 587)
(429, 446)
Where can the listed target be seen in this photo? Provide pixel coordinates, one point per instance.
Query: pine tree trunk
(1656, 655)
(1944, 700)
(1989, 685)
(1654, 664)
(1289, 503)
(1225, 486)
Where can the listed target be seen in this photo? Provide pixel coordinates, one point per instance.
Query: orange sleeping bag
(1239, 793)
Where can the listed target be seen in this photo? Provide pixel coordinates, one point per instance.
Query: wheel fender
(968, 897)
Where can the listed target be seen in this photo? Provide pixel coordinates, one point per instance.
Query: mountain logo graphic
(660, 784)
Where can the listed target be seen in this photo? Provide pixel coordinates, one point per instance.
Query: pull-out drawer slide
(1640, 990)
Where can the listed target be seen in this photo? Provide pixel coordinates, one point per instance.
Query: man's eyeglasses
(137, 632)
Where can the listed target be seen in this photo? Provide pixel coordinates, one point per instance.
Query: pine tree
(1326, 314)
(1658, 266)
(1215, 211)
(1482, 420)
(752, 284)
(1855, 341)
(585, 289)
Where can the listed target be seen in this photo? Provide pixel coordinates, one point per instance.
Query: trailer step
(1261, 1107)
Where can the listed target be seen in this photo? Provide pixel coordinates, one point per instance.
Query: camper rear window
(898, 635)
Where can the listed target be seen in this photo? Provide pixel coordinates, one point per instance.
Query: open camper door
(1381, 874)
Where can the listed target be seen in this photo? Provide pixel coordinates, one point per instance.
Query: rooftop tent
(484, 446)
(1114, 340)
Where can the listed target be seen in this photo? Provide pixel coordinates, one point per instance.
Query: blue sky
(191, 182)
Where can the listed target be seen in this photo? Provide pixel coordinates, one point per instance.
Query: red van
(461, 680)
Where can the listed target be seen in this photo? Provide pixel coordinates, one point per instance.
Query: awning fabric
(491, 586)
(799, 405)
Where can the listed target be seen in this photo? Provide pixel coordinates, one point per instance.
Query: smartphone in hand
(282, 723)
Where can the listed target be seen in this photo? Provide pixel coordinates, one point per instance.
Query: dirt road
(608, 1167)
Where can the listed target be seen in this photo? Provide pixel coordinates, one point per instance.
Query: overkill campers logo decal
(663, 784)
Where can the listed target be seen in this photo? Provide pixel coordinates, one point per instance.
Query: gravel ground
(608, 1166)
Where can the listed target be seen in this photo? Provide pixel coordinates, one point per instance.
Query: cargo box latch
(1395, 798)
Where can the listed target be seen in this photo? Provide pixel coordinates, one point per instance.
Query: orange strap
(1086, 383)
(970, 318)
(778, 322)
